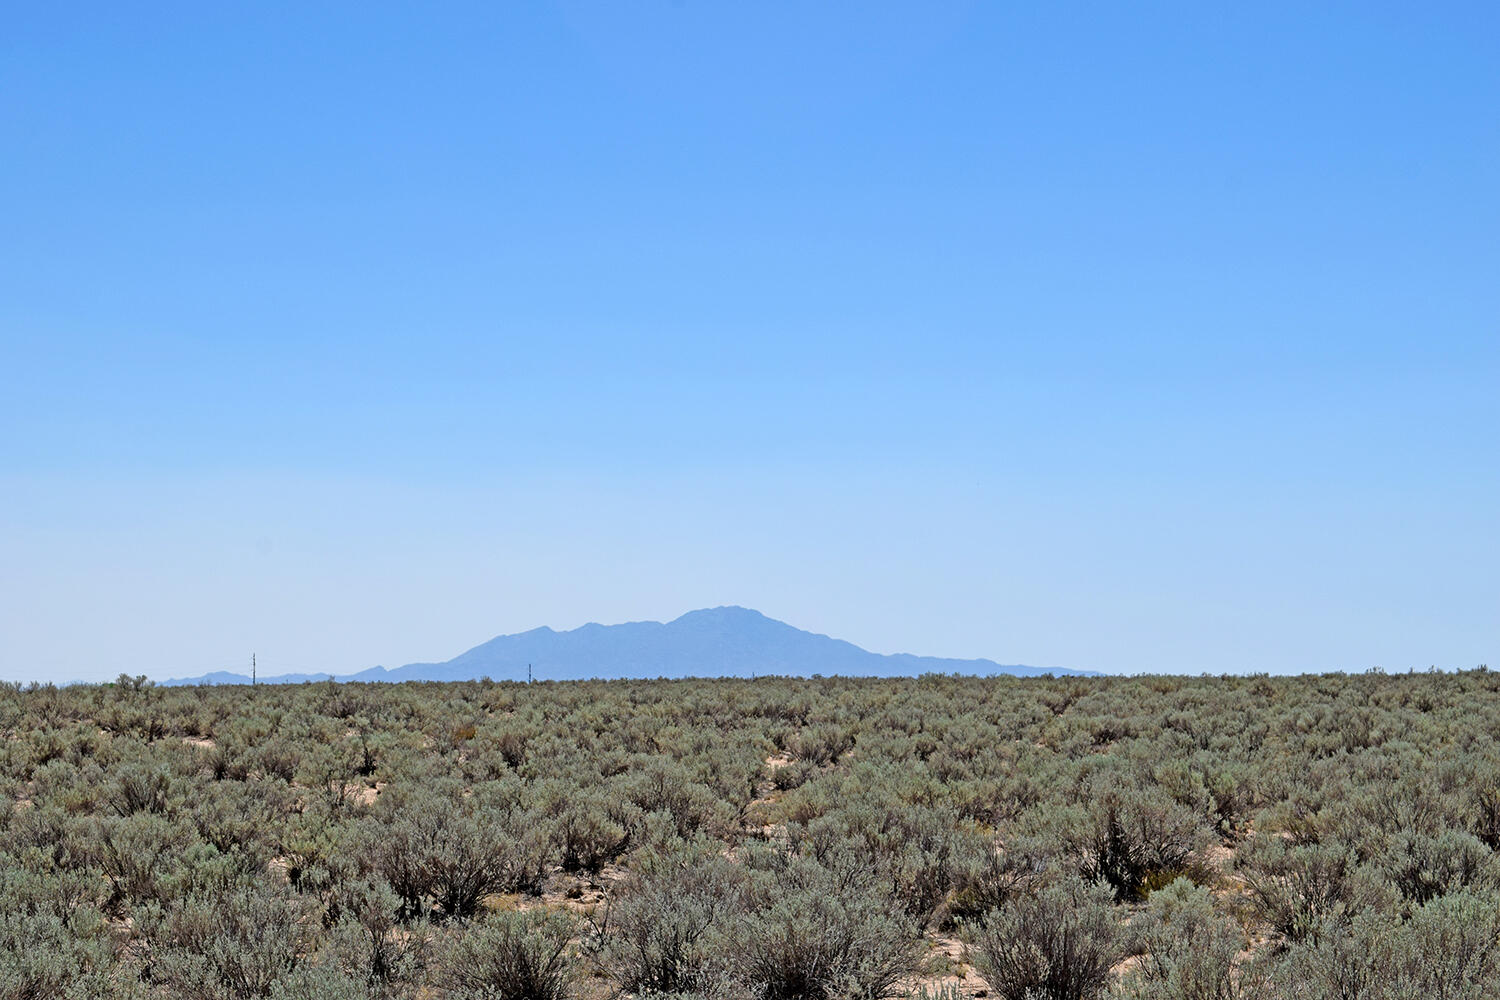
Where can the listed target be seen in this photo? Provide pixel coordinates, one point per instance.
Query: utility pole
(252, 670)
(528, 673)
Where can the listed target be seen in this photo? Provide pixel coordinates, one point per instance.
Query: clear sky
(1129, 337)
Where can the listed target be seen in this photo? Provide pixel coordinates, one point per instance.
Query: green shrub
(368, 942)
(666, 925)
(511, 956)
(456, 853)
(939, 799)
(590, 830)
(140, 788)
(1423, 866)
(1187, 949)
(989, 879)
(45, 954)
(1135, 838)
(322, 982)
(1450, 949)
(821, 744)
(139, 854)
(1299, 889)
(816, 931)
(1056, 944)
(917, 850)
(230, 946)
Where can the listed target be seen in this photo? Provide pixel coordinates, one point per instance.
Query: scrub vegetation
(1150, 838)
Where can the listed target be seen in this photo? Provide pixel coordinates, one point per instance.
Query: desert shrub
(369, 942)
(73, 788)
(51, 857)
(1300, 888)
(467, 860)
(1484, 805)
(1384, 794)
(400, 856)
(341, 701)
(989, 879)
(816, 931)
(1450, 949)
(946, 992)
(821, 744)
(138, 853)
(280, 758)
(1453, 946)
(46, 951)
(227, 761)
(530, 852)
(235, 816)
(657, 785)
(792, 775)
(508, 744)
(1187, 950)
(1215, 789)
(916, 850)
(1375, 798)
(1132, 839)
(1423, 866)
(31, 883)
(230, 946)
(322, 982)
(318, 851)
(332, 772)
(590, 829)
(921, 867)
(1056, 944)
(732, 767)
(456, 854)
(139, 788)
(665, 925)
(511, 956)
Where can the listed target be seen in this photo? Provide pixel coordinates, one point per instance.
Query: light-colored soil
(947, 966)
(367, 796)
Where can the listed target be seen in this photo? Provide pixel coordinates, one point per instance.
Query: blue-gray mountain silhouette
(714, 642)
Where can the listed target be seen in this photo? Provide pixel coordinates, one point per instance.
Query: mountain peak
(722, 613)
(725, 641)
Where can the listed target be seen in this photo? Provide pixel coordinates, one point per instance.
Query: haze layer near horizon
(1123, 339)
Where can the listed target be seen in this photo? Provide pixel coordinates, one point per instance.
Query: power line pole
(528, 673)
(252, 670)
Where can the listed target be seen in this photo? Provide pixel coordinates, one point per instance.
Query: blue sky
(1123, 337)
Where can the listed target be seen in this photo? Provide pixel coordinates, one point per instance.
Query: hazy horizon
(1103, 338)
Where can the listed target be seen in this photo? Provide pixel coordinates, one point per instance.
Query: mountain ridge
(726, 641)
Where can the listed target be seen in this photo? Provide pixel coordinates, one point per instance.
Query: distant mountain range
(714, 642)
